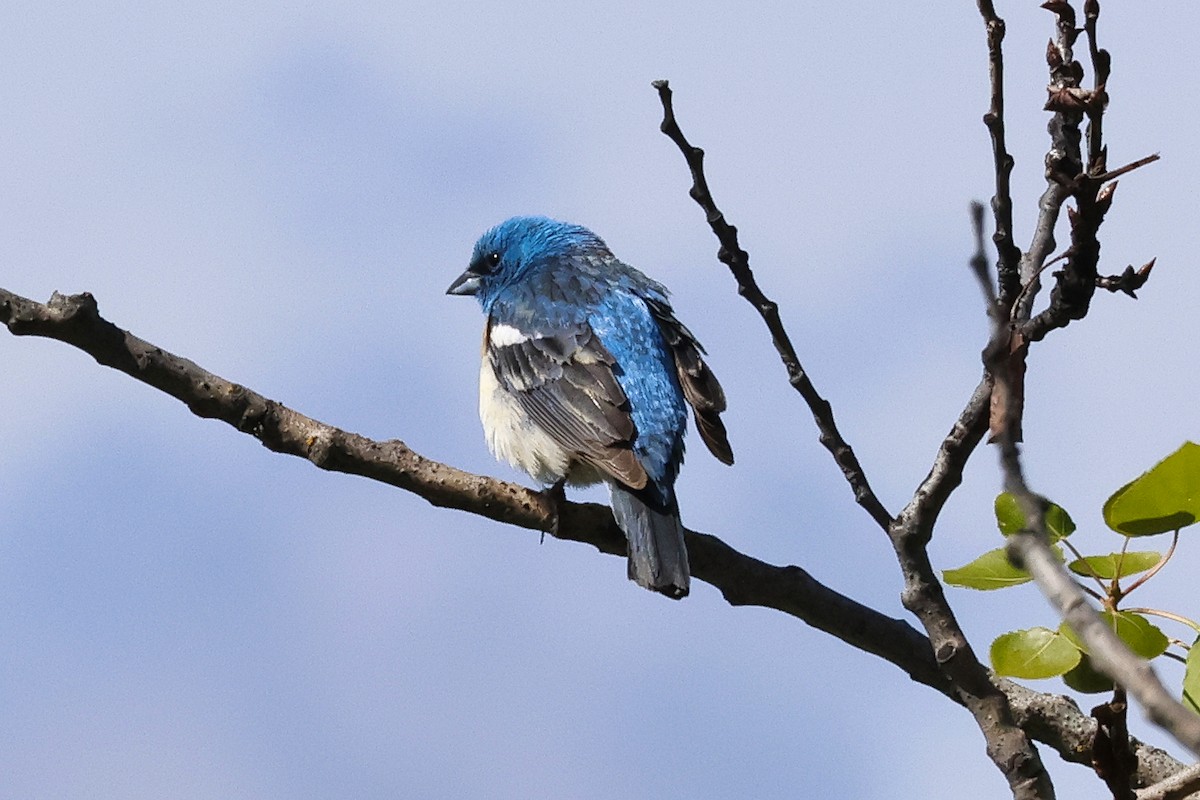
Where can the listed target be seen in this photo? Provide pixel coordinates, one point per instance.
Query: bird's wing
(564, 381)
(700, 387)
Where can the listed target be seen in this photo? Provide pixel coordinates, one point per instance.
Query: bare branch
(1009, 256)
(1057, 721)
(1063, 159)
(1007, 744)
(742, 580)
(1068, 176)
(738, 260)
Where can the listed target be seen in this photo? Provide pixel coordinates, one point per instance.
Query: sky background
(282, 194)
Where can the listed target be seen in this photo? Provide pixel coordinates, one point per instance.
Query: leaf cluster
(1165, 499)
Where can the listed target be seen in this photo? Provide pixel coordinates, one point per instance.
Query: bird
(586, 376)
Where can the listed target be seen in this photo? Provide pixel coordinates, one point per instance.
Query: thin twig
(1101, 67)
(738, 260)
(1008, 254)
(1105, 177)
(1162, 562)
(1063, 161)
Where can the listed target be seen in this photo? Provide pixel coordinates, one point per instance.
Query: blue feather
(587, 376)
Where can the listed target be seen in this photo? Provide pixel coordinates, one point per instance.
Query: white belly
(513, 437)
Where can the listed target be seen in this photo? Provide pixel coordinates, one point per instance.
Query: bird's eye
(493, 260)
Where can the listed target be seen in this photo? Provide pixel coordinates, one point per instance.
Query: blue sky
(283, 194)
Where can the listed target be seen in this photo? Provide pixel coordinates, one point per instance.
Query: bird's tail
(658, 557)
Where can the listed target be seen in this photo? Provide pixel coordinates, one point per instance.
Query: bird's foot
(557, 495)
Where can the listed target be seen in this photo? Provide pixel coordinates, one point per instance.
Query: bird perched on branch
(586, 377)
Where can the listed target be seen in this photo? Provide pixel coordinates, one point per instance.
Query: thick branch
(1057, 721)
(1008, 744)
(743, 580)
(1183, 784)
(738, 260)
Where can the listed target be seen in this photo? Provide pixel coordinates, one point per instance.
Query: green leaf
(1139, 634)
(1166, 498)
(1010, 520)
(1033, 653)
(1066, 630)
(1115, 565)
(991, 570)
(1058, 522)
(1086, 678)
(1008, 514)
(1191, 678)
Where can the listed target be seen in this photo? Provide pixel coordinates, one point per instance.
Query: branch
(738, 260)
(1008, 746)
(1009, 256)
(1057, 721)
(742, 580)
(1068, 176)
(1181, 785)
(1007, 743)
(1062, 159)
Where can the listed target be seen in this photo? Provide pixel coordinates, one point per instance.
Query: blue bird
(586, 377)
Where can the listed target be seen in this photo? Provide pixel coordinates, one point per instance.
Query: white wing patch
(502, 335)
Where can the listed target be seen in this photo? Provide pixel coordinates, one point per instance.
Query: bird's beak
(465, 284)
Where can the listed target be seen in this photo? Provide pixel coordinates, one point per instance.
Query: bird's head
(507, 253)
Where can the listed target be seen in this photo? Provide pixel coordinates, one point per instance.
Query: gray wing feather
(564, 381)
(700, 386)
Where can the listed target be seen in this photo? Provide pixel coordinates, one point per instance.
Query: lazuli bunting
(586, 377)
